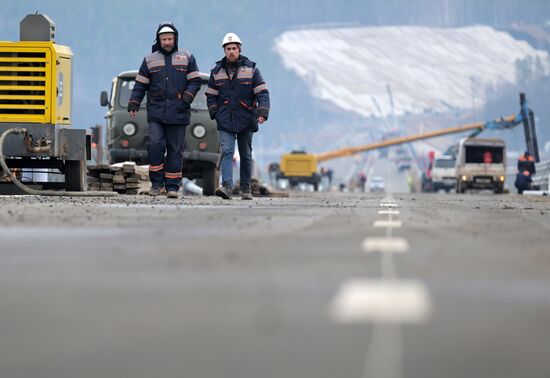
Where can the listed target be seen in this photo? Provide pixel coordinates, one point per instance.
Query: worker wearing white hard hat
(238, 100)
(231, 38)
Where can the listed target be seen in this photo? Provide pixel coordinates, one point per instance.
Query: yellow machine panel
(298, 164)
(35, 83)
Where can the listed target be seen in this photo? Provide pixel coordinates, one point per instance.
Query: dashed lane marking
(388, 223)
(385, 245)
(390, 301)
(388, 212)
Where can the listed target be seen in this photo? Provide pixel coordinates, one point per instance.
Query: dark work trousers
(244, 141)
(166, 139)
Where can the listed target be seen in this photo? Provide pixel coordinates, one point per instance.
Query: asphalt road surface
(320, 285)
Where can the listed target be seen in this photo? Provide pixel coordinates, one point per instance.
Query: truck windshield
(444, 163)
(200, 99)
(484, 154)
(125, 90)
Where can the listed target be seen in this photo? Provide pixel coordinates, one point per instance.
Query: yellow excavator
(299, 166)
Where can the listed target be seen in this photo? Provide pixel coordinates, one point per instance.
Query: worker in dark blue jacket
(238, 100)
(171, 79)
(527, 163)
(523, 181)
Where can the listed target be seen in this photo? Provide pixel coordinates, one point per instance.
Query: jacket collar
(243, 61)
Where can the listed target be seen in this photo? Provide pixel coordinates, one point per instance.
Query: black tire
(75, 175)
(210, 178)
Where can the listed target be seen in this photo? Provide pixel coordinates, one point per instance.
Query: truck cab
(481, 164)
(128, 138)
(443, 173)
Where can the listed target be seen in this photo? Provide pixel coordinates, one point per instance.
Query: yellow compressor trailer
(35, 105)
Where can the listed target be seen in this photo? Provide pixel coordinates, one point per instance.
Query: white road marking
(385, 245)
(384, 301)
(388, 223)
(388, 212)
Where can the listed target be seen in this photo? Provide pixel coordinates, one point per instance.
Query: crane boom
(505, 122)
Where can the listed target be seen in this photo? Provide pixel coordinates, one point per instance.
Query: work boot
(246, 193)
(155, 191)
(172, 194)
(224, 191)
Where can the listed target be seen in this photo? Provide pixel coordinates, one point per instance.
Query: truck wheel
(210, 178)
(75, 175)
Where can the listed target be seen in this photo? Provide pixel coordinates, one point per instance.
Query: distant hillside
(427, 70)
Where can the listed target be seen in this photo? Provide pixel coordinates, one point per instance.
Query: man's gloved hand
(213, 110)
(133, 107)
(262, 114)
(187, 98)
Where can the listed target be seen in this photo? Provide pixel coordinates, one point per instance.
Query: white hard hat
(231, 38)
(166, 29)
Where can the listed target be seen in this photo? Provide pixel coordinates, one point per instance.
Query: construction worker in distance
(171, 79)
(523, 181)
(238, 100)
(526, 163)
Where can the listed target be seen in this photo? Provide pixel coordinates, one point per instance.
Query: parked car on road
(444, 173)
(376, 184)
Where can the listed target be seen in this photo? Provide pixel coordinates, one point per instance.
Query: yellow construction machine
(35, 106)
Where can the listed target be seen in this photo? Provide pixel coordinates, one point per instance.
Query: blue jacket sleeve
(140, 87)
(193, 81)
(212, 97)
(261, 94)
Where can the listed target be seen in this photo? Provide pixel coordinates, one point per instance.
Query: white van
(443, 173)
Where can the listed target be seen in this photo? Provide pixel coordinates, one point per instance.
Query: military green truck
(128, 139)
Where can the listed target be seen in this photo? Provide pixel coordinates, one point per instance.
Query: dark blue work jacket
(237, 98)
(171, 82)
